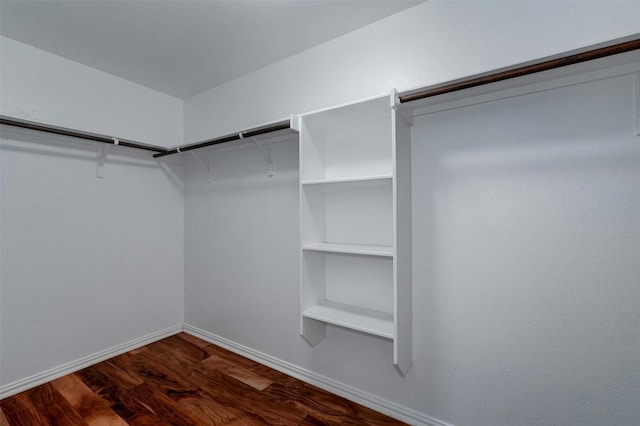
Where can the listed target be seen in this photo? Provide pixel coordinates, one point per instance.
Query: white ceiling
(183, 47)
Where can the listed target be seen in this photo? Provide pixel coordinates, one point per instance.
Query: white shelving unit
(355, 218)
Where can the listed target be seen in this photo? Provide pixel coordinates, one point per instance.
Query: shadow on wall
(26, 141)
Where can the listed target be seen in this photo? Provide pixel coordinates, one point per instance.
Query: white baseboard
(356, 395)
(79, 364)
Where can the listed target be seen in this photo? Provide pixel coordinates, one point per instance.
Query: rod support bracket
(102, 157)
(401, 110)
(207, 167)
(268, 156)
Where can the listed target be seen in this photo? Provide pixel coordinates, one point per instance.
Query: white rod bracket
(268, 157)
(102, 157)
(403, 112)
(294, 122)
(207, 167)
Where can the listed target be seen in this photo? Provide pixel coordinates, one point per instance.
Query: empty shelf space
(352, 114)
(363, 249)
(353, 317)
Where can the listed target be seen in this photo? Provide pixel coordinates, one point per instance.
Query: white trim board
(637, 96)
(84, 362)
(356, 395)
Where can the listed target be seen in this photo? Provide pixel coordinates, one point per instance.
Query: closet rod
(25, 124)
(282, 125)
(524, 70)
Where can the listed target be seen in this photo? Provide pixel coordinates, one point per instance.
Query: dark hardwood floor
(182, 380)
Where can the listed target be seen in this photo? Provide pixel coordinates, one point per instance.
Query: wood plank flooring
(182, 380)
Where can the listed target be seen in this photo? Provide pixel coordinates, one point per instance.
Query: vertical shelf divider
(403, 313)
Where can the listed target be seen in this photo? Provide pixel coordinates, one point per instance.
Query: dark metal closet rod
(25, 124)
(282, 125)
(524, 70)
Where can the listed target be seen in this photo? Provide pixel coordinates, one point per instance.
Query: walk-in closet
(320, 213)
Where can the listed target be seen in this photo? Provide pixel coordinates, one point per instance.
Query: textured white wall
(87, 264)
(430, 43)
(241, 248)
(525, 263)
(40, 86)
(526, 245)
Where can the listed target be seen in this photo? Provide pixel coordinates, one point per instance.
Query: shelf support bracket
(102, 157)
(208, 167)
(268, 156)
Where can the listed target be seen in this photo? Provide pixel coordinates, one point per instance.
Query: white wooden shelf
(347, 182)
(353, 317)
(376, 180)
(363, 249)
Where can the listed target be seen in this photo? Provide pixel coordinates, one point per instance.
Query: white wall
(526, 295)
(241, 248)
(87, 264)
(525, 263)
(43, 87)
(433, 42)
